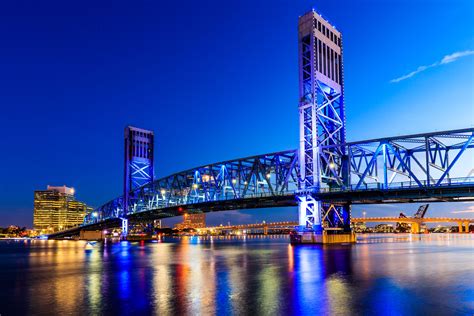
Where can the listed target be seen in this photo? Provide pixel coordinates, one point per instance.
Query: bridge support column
(323, 158)
(466, 227)
(309, 213)
(415, 228)
(265, 230)
(322, 223)
(460, 229)
(124, 228)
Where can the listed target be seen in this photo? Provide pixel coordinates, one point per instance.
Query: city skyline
(257, 91)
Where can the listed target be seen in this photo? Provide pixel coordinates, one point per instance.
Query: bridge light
(94, 214)
(332, 165)
(245, 182)
(195, 186)
(268, 176)
(234, 181)
(163, 191)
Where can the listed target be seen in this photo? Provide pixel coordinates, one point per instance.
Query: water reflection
(265, 276)
(94, 279)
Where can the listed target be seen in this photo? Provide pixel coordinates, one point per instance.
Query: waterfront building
(384, 228)
(57, 209)
(359, 227)
(192, 221)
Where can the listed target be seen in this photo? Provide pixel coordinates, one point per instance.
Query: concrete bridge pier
(415, 228)
(464, 229)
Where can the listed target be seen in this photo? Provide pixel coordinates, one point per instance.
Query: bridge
(271, 180)
(264, 227)
(324, 176)
(417, 222)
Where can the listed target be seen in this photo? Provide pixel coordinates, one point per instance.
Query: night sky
(215, 80)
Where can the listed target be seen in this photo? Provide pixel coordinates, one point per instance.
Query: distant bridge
(263, 226)
(417, 222)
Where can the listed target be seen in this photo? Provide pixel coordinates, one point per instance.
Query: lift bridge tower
(138, 166)
(323, 162)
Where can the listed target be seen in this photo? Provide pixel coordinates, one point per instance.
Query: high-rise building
(192, 221)
(56, 209)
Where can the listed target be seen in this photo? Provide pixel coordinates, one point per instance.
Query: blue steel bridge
(324, 176)
(430, 167)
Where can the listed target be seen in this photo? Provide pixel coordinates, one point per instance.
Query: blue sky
(215, 80)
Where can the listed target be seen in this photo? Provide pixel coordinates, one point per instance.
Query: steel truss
(267, 175)
(424, 161)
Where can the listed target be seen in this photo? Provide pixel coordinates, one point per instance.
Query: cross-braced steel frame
(269, 175)
(322, 131)
(423, 162)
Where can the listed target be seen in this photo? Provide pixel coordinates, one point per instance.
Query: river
(380, 275)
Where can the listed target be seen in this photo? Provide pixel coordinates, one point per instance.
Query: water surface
(381, 275)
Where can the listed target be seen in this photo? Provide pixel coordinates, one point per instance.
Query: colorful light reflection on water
(397, 275)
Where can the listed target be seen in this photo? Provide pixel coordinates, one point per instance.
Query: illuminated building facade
(192, 221)
(56, 209)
